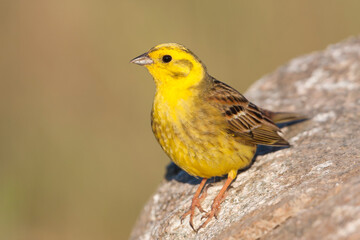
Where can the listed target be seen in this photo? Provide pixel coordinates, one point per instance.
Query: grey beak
(143, 59)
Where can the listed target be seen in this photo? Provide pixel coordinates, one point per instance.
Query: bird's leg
(215, 207)
(196, 203)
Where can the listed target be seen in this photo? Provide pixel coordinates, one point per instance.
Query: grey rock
(308, 191)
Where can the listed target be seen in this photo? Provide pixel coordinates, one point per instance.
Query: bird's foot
(196, 203)
(214, 212)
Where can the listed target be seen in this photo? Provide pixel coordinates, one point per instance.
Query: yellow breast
(193, 135)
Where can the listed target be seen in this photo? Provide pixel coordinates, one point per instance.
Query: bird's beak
(143, 59)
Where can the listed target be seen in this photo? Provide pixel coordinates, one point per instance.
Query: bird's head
(172, 64)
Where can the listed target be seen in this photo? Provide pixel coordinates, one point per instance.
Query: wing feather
(246, 121)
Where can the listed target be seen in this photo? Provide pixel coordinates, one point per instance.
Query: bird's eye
(166, 58)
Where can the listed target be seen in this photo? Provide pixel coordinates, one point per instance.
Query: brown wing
(246, 121)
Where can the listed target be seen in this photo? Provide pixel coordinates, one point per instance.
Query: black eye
(166, 58)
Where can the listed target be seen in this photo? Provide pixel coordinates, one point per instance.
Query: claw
(184, 216)
(215, 207)
(196, 203)
(216, 214)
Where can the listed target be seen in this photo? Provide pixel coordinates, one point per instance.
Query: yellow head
(172, 64)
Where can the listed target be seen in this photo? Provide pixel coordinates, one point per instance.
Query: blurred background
(77, 156)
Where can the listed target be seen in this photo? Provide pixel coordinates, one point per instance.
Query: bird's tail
(284, 117)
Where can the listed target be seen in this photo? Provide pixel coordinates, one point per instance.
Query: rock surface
(308, 191)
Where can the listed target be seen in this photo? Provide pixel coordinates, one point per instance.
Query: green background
(77, 155)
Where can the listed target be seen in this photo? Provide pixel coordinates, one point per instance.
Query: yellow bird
(206, 127)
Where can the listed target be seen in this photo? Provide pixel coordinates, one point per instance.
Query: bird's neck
(173, 91)
(174, 102)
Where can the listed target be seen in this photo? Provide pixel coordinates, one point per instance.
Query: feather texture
(246, 121)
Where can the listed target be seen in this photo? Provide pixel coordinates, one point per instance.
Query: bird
(205, 126)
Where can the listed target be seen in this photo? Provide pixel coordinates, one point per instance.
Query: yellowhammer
(205, 126)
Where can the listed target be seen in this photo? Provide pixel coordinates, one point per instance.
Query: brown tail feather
(283, 117)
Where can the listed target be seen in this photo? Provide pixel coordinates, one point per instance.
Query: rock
(308, 191)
